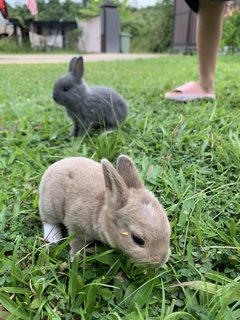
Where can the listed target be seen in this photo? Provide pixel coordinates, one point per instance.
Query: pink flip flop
(188, 92)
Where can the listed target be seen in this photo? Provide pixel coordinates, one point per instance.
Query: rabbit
(98, 202)
(89, 107)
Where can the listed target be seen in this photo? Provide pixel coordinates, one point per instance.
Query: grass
(10, 45)
(188, 155)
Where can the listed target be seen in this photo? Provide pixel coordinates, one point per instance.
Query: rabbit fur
(99, 202)
(89, 107)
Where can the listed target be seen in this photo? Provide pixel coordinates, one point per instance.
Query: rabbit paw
(52, 232)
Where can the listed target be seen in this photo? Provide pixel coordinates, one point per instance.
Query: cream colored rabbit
(99, 202)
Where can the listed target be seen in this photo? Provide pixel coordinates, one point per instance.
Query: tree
(151, 27)
(91, 8)
(231, 33)
(53, 10)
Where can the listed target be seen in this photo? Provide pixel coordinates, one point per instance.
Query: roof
(69, 25)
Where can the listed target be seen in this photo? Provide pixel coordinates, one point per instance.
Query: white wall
(48, 39)
(91, 38)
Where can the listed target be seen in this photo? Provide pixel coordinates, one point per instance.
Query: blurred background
(94, 26)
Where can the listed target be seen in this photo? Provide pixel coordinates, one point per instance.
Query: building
(184, 25)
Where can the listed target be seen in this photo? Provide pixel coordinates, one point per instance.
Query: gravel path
(64, 58)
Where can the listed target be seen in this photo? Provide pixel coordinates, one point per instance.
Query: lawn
(187, 154)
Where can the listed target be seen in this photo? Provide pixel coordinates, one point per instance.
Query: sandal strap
(186, 88)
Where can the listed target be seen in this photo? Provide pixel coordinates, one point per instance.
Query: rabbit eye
(65, 88)
(139, 241)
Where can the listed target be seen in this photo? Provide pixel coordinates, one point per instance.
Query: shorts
(194, 4)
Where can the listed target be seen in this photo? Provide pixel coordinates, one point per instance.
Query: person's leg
(209, 32)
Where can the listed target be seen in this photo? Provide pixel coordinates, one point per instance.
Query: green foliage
(52, 10)
(151, 27)
(92, 7)
(19, 12)
(11, 45)
(231, 33)
(187, 154)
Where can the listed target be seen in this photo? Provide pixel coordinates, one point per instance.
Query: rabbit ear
(72, 64)
(128, 172)
(116, 189)
(78, 68)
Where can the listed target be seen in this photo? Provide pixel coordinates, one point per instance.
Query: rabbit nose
(165, 258)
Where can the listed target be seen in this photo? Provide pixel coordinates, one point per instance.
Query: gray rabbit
(89, 107)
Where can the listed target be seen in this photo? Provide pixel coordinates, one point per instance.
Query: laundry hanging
(3, 9)
(32, 6)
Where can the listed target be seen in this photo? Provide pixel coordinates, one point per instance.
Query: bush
(151, 28)
(11, 45)
(231, 33)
